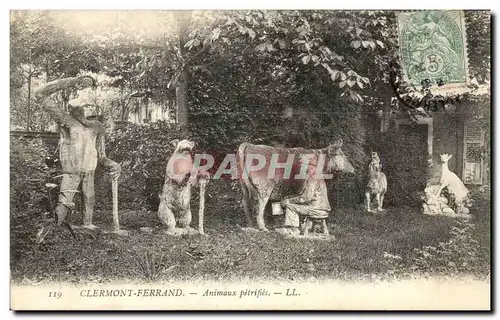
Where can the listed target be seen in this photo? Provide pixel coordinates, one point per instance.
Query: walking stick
(203, 183)
(114, 190)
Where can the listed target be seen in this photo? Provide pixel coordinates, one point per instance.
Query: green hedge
(405, 164)
(143, 152)
(28, 175)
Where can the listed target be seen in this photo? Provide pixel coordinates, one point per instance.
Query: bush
(461, 254)
(143, 152)
(275, 102)
(28, 175)
(405, 165)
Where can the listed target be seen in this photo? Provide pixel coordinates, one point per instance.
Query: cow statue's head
(336, 159)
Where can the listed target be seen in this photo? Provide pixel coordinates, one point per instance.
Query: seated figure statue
(311, 204)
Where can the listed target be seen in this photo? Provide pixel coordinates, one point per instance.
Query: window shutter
(473, 160)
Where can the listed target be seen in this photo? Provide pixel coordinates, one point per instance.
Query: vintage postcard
(250, 160)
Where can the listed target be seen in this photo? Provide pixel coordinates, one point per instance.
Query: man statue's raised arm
(43, 92)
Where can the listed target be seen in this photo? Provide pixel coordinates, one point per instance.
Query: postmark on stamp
(433, 47)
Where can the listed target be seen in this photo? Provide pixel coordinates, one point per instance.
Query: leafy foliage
(404, 161)
(42, 49)
(478, 25)
(282, 77)
(149, 265)
(21, 117)
(329, 42)
(352, 53)
(28, 175)
(29, 197)
(460, 254)
(297, 77)
(143, 152)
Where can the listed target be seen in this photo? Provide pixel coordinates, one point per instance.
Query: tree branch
(394, 86)
(426, 102)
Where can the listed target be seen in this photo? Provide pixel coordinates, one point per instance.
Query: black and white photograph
(250, 159)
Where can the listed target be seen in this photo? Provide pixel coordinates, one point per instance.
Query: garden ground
(399, 242)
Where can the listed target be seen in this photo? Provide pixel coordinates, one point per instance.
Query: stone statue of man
(311, 203)
(81, 147)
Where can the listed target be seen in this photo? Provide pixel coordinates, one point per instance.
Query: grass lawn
(228, 253)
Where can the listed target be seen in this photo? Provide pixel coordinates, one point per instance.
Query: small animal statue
(375, 164)
(377, 183)
(175, 211)
(452, 182)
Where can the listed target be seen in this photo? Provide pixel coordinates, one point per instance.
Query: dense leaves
(405, 163)
(143, 152)
(479, 45)
(351, 52)
(32, 166)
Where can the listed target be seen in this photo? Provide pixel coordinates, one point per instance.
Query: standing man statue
(81, 148)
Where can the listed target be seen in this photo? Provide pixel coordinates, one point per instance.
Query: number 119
(55, 294)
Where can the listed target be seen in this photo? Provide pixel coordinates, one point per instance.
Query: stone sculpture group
(455, 203)
(301, 198)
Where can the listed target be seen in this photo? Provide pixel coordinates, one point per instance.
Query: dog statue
(175, 209)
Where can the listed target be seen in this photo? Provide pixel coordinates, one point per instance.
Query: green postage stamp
(433, 47)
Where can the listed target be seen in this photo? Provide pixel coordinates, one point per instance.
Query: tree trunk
(146, 106)
(181, 90)
(181, 96)
(28, 124)
(124, 103)
(386, 115)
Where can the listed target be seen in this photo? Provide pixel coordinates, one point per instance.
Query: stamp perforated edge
(463, 26)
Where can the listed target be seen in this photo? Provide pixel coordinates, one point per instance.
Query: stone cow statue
(261, 182)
